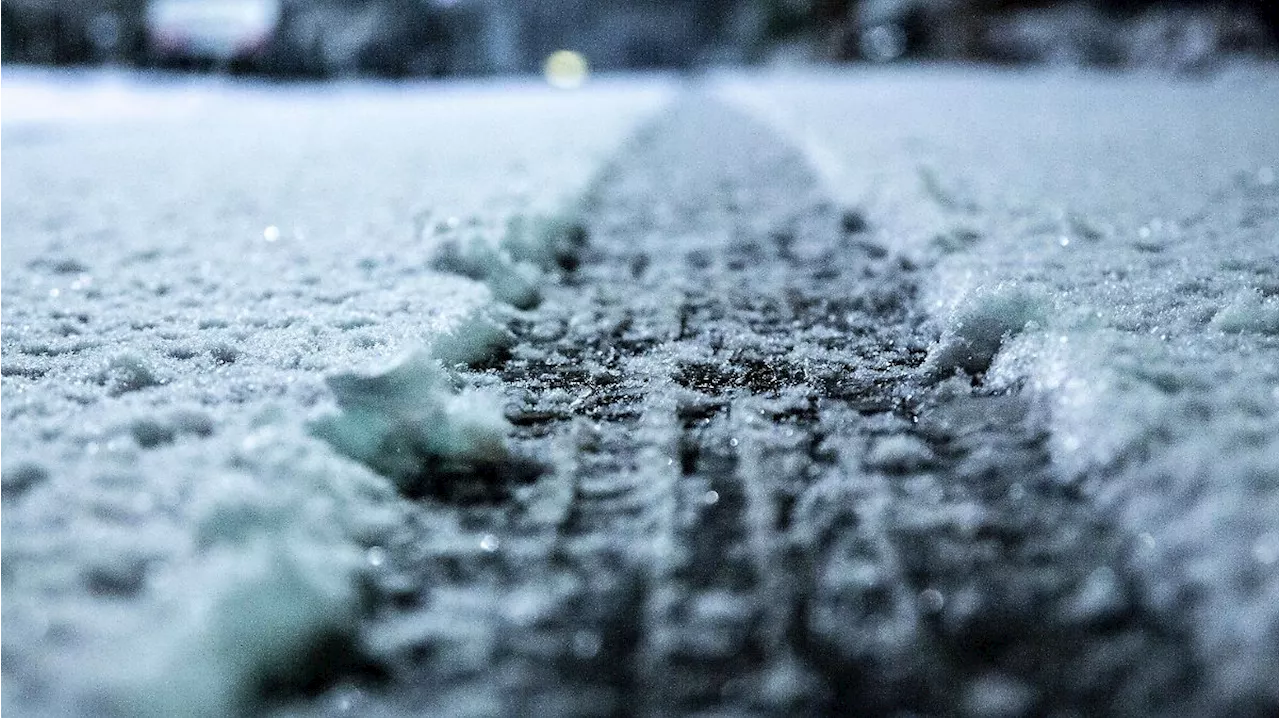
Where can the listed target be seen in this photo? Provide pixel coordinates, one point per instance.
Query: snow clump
(980, 324)
(1249, 312)
(476, 339)
(511, 281)
(409, 423)
(273, 583)
(513, 267)
(550, 242)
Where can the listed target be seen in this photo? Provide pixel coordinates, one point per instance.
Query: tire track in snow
(757, 504)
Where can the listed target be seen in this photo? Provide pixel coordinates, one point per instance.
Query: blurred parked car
(224, 33)
(68, 32)
(396, 38)
(335, 38)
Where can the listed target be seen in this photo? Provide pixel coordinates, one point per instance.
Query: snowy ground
(942, 391)
(1124, 229)
(178, 278)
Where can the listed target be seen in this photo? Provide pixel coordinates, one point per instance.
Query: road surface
(917, 392)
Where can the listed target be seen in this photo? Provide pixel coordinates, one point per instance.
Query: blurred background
(415, 38)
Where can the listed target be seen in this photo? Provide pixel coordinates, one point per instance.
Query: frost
(980, 324)
(408, 423)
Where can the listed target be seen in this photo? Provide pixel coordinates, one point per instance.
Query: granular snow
(176, 287)
(1137, 218)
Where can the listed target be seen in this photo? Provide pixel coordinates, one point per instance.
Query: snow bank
(190, 579)
(1249, 312)
(272, 586)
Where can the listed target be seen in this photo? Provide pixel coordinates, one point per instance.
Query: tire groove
(758, 504)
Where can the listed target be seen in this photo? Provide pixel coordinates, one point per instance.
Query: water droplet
(733, 442)
(711, 498)
(271, 233)
(53, 293)
(376, 556)
(489, 543)
(1064, 240)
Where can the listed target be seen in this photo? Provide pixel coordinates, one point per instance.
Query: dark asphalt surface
(759, 505)
(743, 479)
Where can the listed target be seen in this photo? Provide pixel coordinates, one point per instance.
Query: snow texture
(409, 423)
(178, 281)
(983, 421)
(1110, 244)
(514, 265)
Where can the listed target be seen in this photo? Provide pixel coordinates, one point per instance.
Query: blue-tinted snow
(183, 265)
(1110, 244)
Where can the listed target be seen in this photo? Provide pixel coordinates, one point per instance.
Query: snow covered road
(175, 289)
(1124, 229)
(948, 392)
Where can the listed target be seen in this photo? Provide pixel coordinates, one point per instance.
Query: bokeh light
(565, 69)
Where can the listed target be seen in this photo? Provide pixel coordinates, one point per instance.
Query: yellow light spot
(565, 69)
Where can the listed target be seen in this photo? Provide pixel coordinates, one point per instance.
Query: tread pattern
(756, 505)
